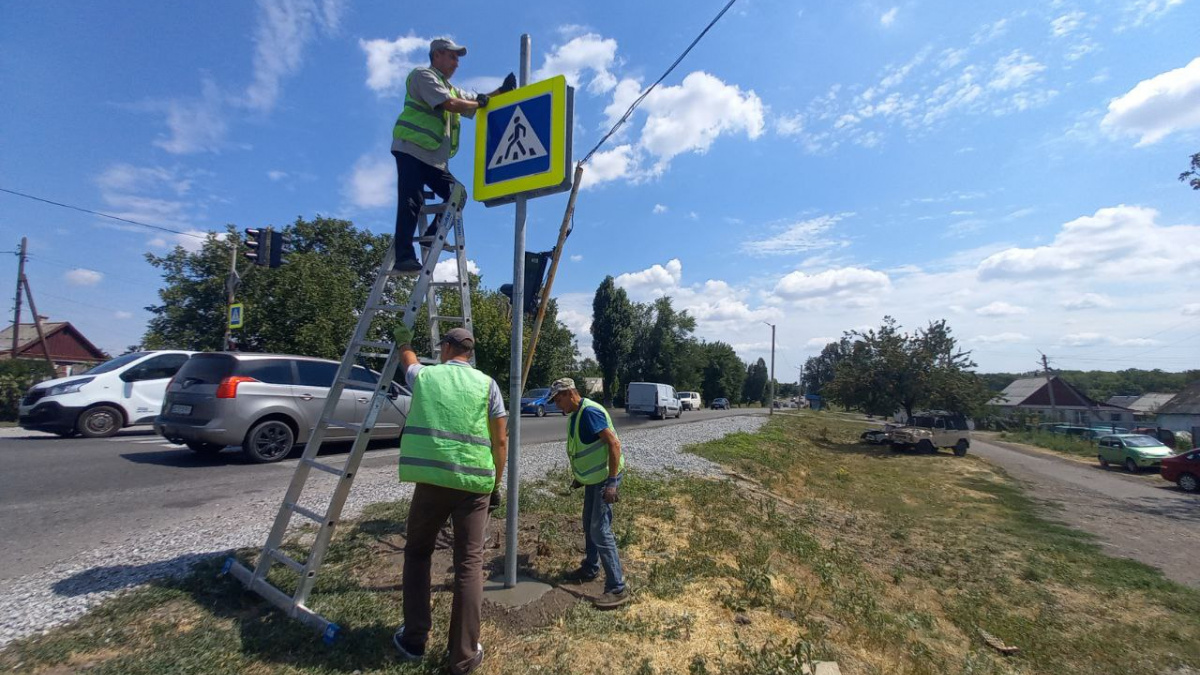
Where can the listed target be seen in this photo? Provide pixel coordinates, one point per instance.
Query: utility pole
(23, 282)
(772, 383)
(231, 285)
(17, 312)
(1050, 388)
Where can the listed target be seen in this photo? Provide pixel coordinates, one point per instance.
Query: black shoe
(406, 266)
(475, 661)
(581, 575)
(408, 653)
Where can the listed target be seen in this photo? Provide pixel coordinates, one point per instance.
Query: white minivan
(653, 399)
(125, 391)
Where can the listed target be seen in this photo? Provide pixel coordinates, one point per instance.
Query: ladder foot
(331, 633)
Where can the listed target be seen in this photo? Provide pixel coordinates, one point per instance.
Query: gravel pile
(66, 590)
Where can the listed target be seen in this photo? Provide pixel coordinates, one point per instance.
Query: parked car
(928, 431)
(268, 403)
(719, 404)
(1096, 432)
(877, 436)
(537, 402)
(653, 399)
(1133, 451)
(1183, 469)
(690, 400)
(122, 392)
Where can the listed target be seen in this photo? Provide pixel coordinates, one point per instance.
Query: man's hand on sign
(510, 83)
(402, 334)
(482, 100)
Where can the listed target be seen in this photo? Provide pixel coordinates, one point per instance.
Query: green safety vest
(446, 440)
(589, 463)
(425, 126)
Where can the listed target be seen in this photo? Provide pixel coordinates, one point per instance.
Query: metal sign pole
(514, 370)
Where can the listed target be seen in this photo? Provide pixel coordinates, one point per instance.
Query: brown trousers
(431, 506)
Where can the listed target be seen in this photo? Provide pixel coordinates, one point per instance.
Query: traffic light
(280, 246)
(535, 274)
(258, 244)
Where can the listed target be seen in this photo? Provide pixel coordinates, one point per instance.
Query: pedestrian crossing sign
(523, 143)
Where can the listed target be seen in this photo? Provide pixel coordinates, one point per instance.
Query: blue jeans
(601, 545)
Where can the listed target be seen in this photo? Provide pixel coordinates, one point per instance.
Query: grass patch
(820, 549)
(1068, 445)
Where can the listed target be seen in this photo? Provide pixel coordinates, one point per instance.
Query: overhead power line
(636, 103)
(103, 215)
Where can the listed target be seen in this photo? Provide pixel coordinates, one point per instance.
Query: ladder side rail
(464, 278)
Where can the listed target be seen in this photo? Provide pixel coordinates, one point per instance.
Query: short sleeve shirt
(495, 399)
(591, 423)
(425, 85)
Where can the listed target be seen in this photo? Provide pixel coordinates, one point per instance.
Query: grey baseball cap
(560, 385)
(448, 45)
(459, 336)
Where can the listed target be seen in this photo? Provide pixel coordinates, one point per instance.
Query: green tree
(724, 373)
(755, 387)
(820, 369)
(1192, 176)
(16, 377)
(612, 332)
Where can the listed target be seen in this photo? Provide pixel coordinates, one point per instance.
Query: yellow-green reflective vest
(446, 440)
(425, 126)
(589, 463)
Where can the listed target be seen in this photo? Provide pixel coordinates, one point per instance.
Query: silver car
(267, 403)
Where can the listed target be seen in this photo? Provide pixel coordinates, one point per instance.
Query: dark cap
(460, 337)
(446, 44)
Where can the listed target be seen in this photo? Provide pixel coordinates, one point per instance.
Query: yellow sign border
(241, 315)
(552, 177)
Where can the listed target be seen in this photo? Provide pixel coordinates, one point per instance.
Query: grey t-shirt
(426, 85)
(495, 399)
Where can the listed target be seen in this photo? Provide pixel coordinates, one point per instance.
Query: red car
(1183, 469)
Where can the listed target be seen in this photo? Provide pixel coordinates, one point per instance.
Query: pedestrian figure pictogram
(518, 143)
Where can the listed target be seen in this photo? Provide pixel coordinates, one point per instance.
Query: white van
(691, 400)
(653, 399)
(119, 393)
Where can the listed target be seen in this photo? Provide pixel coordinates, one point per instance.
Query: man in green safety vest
(425, 137)
(594, 452)
(454, 447)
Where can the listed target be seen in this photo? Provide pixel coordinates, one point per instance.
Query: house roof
(28, 338)
(1145, 403)
(1036, 392)
(1019, 390)
(1186, 402)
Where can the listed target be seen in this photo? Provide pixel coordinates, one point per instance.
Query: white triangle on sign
(519, 143)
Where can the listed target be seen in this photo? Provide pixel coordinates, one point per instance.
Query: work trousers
(600, 546)
(431, 506)
(413, 176)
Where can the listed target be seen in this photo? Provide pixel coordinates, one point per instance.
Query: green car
(1133, 451)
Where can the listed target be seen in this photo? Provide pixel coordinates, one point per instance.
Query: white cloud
(1141, 12)
(83, 277)
(389, 61)
(576, 258)
(656, 280)
(1066, 24)
(659, 208)
(610, 165)
(805, 235)
(1157, 107)
(372, 183)
(1117, 242)
(285, 27)
(121, 314)
(1081, 339)
(626, 92)
(842, 283)
(889, 16)
(1087, 301)
(123, 177)
(691, 116)
(588, 53)
(1001, 308)
(447, 270)
(789, 125)
(277, 176)
(1014, 70)
(1000, 338)
(819, 342)
(194, 124)
(1191, 309)
(156, 196)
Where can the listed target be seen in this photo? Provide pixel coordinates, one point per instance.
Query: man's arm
(614, 451)
(460, 105)
(498, 430)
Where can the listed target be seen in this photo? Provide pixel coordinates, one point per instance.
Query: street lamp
(772, 383)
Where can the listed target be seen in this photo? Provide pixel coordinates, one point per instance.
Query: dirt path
(1141, 517)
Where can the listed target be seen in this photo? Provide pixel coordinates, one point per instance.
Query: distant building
(69, 349)
(1068, 405)
(1144, 406)
(1182, 412)
(592, 385)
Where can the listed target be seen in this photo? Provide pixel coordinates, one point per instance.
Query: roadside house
(69, 349)
(1145, 406)
(1058, 401)
(1182, 413)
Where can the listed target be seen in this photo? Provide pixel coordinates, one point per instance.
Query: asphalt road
(60, 497)
(1137, 516)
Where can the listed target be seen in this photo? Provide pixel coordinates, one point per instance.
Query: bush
(15, 378)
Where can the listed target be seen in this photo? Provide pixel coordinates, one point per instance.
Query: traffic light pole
(231, 286)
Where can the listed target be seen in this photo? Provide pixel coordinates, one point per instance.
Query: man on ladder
(426, 137)
(454, 448)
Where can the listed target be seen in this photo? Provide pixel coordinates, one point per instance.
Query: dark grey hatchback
(267, 403)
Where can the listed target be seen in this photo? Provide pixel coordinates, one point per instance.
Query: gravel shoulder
(1140, 517)
(66, 590)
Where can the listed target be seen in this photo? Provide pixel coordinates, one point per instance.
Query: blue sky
(1010, 167)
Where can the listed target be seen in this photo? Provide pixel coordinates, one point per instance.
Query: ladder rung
(447, 318)
(307, 513)
(434, 208)
(443, 284)
(375, 345)
(281, 557)
(354, 426)
(374, 355)
(389, 308)
(323, 467)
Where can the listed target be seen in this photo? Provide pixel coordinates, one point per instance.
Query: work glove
(510, 83)
(402, 334)
(610, 495)
(482, 100)
(494, 502)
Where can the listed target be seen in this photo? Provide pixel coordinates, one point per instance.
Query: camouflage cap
(560, 385)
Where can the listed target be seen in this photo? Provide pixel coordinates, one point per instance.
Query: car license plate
(181, 409)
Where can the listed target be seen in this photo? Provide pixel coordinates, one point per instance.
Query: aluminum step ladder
(447, 220)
